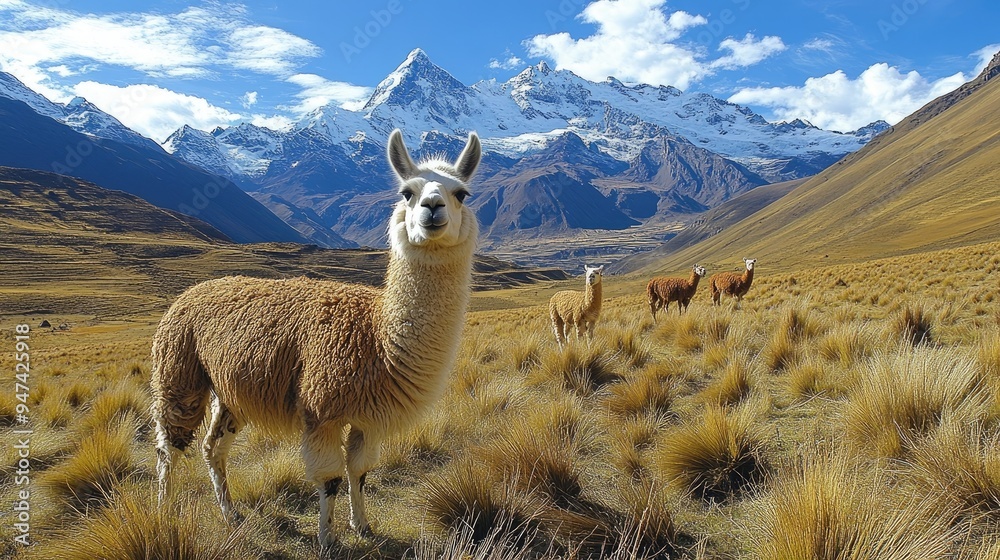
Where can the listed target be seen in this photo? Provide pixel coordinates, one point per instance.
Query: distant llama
(732, 284)
(661, 291)
(570, 309)
(312, 357)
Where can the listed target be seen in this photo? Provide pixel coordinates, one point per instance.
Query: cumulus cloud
(317, 91)
(154, 111)
(249, 99)
(45, 45)
(637, 41)
(195, 42)
(507, 62)
(838, 102)
(747, 51)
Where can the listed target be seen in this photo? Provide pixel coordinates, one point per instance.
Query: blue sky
(158, 65)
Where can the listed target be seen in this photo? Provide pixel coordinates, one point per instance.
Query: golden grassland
(848, 412)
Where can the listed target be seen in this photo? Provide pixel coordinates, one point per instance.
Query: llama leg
(362, 454)
(323, 454)
(557, 326)
(653, 304)
(221, 432)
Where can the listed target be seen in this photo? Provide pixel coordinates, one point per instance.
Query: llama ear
(600, 269)
(468, 160)
(399, 158)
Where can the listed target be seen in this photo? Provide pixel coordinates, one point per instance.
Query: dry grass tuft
(466, 496)
(133, 527)
(648, 530)
(581, 370)
(904, 397)
(717, 457)
(960, 465)
(825, 511)
(811, 379)
(644, 394)
(913, 326)
(734, 385)
(627, 345)
(782, 350)
(846, 345)
(542, 463)
(116, 403)
(100, 463)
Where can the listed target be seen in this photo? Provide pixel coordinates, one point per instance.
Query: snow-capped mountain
(532, 109)
(652, 154)
(79, 114)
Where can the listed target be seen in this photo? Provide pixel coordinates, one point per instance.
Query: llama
(311, 357)
(732, 284)
(661, 291)
(570, 308)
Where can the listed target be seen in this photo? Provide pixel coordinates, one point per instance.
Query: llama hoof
(364, 531)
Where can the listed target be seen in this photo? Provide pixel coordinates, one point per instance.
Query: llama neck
(748, 276)
(423, 312)
(695, 277)
(592, 297)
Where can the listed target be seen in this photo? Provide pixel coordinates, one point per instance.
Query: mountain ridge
(928, 183)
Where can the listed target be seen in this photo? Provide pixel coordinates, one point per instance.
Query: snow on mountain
(79, 114)
(535, 107)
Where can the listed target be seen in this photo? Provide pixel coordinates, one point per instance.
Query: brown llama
(732, 284)
(661, 291)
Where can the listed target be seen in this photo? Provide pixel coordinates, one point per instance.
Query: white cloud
(274, 122)
(198, 42)
(267, 50)
(818, 44)
(748, 51)
(249, 99)
(507, 62)
(984, 56)
(317, 91)
(837, 102)
(153, 111)
(635, 41)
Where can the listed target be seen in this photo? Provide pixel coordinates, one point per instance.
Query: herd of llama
(344, 366)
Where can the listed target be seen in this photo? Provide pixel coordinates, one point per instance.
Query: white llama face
(432, 207)
(750, 263)
(593, 275)
(699, 270)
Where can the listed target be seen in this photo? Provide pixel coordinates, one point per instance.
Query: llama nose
(435, 212)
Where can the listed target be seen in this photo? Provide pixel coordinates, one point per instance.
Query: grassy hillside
(73, 249)
(929, 183)
(710, 223)
(850, 411)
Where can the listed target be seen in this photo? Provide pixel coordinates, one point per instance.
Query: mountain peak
(415, 78)
(543, 68)
(416, 55)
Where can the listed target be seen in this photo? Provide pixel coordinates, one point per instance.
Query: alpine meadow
(826, 387)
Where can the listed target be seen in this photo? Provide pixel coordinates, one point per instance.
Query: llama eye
(461, 196)
(407, 194)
